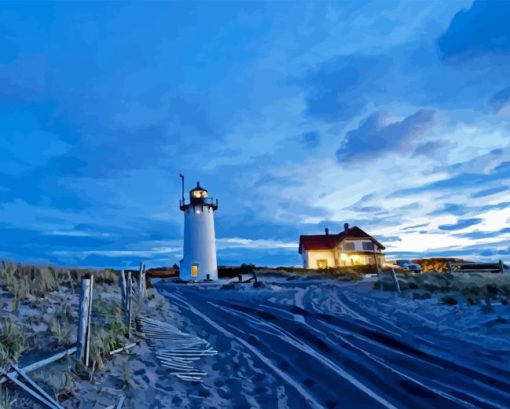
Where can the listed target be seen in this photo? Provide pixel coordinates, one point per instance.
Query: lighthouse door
(194, 270)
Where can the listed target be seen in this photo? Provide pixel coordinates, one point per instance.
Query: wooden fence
(19, 377)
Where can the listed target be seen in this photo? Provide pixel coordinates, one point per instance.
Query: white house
(351, 247)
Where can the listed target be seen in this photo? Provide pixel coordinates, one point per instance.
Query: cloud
(500, 100)
(483, 29)
(376, 136)
(430, 149)
(489, 192)
(335, 89)
(238, 242)
(450, 208)
(461, 224)
(475, 235)
(462, 180)
(311, 139)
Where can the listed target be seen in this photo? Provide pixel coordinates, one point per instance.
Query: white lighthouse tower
(199, 255)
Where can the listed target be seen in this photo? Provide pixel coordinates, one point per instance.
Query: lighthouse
(199, 253)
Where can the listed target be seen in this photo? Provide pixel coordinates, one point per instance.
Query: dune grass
(12, 341)
(31, 280)
(472, 288)
(107, 335)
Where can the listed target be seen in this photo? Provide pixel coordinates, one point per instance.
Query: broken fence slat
(175, 350)
(124, 348)
(30, 391)
(40, 390)
(42, 363)
(121, 402)
(51, 359)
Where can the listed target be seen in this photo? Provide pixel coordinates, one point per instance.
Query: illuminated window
(322, 263)
(194, 270)
(198, 194)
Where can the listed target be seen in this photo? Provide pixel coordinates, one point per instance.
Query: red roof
(330, 241)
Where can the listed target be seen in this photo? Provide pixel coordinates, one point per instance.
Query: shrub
(421, 296)
(449, 300)
(12, 341)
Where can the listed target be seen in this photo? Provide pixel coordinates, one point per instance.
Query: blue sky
(393, 116)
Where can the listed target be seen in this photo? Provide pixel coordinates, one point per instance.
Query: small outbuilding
(351, 247)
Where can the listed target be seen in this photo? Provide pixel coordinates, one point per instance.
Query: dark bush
(421, 296)
(449, 300)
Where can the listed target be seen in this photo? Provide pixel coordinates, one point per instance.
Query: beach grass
(471, 288)
(12, 341)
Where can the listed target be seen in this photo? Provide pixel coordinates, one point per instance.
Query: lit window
(322, 263)
(198, 194)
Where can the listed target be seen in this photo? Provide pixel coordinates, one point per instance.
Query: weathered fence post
(122, 284)
(142, 284)
(395, 280)
(85, 311)
(127, 310)
(501, 266)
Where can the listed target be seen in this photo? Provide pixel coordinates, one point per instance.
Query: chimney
(326, 230)
(346, 227)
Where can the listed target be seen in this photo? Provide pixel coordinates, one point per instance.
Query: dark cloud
(483, 29)
(450, 208)
(484, 234)
(461, 224)
(311, 139)
(376, 136)
(500, 99)
(489, 192)
(333, 88)
(430, 149)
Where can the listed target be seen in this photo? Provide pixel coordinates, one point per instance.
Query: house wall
(343, 258)
(311, 257)
(347, 259)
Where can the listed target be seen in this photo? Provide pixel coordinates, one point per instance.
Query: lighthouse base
(193, 272)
